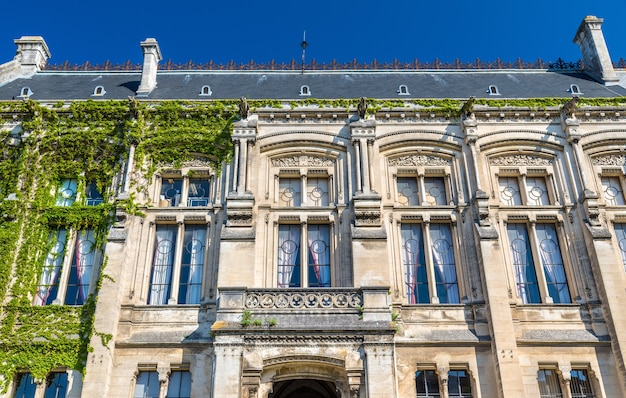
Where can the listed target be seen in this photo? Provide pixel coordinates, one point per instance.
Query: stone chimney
(32, 53)
(31, 57)
(151, 58)
(596, 58)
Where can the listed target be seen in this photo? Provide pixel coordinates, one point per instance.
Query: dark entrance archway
(304, 388)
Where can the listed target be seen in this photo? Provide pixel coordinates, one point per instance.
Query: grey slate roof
(286, 85)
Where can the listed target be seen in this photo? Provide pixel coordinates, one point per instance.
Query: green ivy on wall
(89, 141)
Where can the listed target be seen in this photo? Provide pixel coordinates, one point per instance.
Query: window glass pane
(414, 263)
(613, 194)
(407, 191)
(170, 192)
(521, 255)
(289, 256)
(459, 384)
(66, 192)
(509, 191)
(94, 197)
(190, 288)
(427, 383)
(26, 386)
(537, 191)
(81, 269)
(49, 282)
(179, 385)
(289, 190)
(552, 262)
(580, 385)
(56, 385)
(435, 191)
(317, 191)
(549, 386)
(147, 385)
(444, 264)
(162, 264)
(198, 193)
(319, 255)
(620, 236)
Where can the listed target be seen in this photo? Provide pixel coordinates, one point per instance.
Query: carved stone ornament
(302, 160)
(303, 299)
(355, 392)
(609, 160)
(239, 217)
(365, 218)
(520, 160)
(419, 160)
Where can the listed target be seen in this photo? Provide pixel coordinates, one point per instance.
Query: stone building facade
(377, 249)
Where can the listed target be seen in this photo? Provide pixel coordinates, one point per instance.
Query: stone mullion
(541, 277)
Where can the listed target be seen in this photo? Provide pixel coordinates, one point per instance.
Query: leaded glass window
(162, 264)
(407, 191)
(613, 192)
(66, 192)
(438, 260)
(435, 191)
(191, 270)
(317, 191)
(318, 258)
(620, 236)
(198, 192)
(81, 269)
(289, 192)
(171, 189)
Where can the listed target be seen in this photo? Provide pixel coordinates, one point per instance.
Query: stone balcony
(330, 309)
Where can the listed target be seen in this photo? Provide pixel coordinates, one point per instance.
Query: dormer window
(305, 90)
(206, 91)
(98, 91)
(26, 92)
(575, 90)
(493, 90)
(403, 90)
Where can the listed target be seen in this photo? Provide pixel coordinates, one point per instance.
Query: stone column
(363, 134)
(227, 367)
(380, 371)
(244, 135)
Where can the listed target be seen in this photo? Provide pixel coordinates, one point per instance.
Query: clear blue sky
(242, 30)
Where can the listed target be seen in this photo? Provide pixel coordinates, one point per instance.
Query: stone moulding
(303, 298)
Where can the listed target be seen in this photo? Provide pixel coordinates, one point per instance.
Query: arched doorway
(304, 388)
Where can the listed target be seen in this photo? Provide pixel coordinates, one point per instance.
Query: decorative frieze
(419, 160)
(609, 160)
(520, 160)
(302, 161)
(322, 299)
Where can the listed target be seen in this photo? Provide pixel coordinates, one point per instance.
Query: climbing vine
(89, 141)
